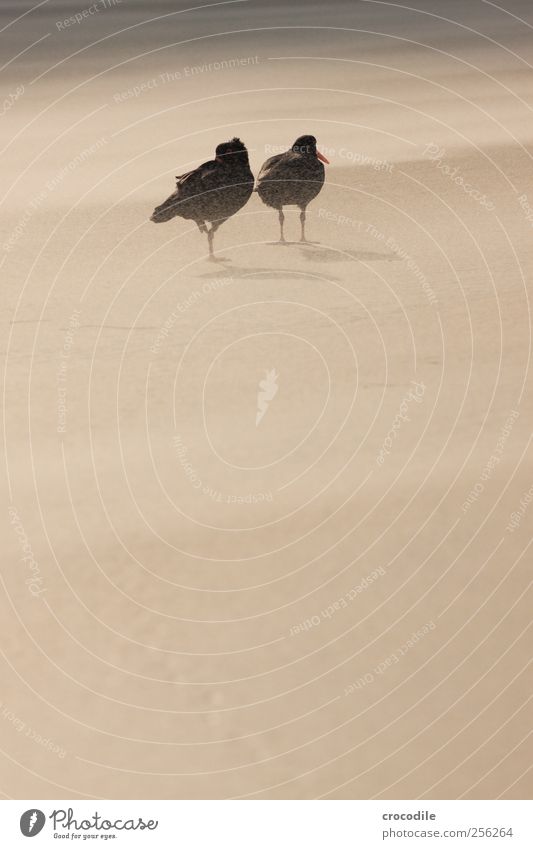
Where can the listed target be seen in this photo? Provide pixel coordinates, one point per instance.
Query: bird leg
(302, 222)
(201, 226)
(210, 235)
(281, 220)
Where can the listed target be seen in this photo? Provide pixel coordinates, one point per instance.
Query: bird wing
(269, 167)
(195, 182)
(274, 168)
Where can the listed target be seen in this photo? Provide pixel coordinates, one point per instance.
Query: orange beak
(322, 157)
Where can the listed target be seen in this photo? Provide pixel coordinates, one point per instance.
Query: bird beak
(322, 157)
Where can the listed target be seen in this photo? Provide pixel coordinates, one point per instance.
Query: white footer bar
(272, 824)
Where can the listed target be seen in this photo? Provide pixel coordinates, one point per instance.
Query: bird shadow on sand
(237, 271)
(311, 251)
(318, 253)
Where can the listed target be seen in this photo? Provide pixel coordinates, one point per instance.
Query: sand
(332, 602)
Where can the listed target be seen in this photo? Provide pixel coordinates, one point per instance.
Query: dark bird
(292, 178)
(211, 193)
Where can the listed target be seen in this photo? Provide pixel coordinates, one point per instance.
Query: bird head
(306, 145)
(231, 153)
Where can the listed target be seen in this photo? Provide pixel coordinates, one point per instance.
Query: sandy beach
(332, 601)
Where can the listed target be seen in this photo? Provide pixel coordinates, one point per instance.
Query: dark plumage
(292, 178)
(212, 192)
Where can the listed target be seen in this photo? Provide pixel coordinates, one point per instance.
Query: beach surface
(266, 529)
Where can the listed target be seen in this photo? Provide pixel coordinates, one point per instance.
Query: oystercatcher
(292, 178)
(212, 192)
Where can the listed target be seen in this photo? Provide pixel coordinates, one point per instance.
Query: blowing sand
(331, 602)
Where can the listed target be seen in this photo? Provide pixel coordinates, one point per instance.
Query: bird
(292, 178)
(211, 193)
